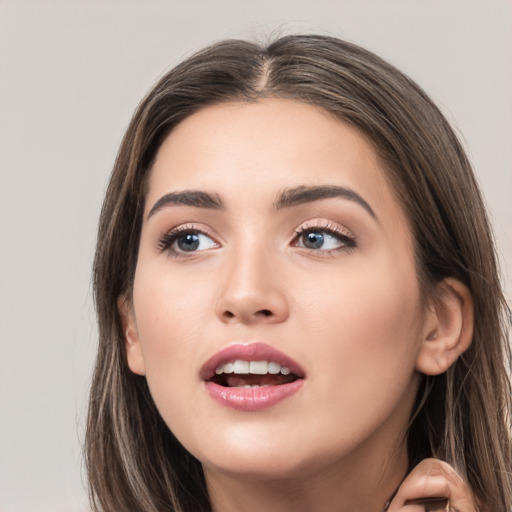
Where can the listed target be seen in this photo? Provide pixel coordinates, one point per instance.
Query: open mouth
(251, 377)
(252, 374)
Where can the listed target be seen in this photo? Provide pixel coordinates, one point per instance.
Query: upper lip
(249, 352)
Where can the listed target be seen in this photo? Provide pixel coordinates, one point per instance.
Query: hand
(431, 486)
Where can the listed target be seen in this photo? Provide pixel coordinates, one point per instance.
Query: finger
(430, 504)
(433, 485)
(424, 505)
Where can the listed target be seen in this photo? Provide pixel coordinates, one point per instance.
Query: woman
(297, 293)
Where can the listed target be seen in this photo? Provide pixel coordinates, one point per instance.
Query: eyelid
(330, 228)
(166, 240)
(324, 225)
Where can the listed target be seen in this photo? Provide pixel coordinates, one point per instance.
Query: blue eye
(323, 239)
(189, 242)
(186, 241)
(313, 240)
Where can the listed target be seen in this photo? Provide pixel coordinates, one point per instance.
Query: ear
(448, 329)
(133, 347)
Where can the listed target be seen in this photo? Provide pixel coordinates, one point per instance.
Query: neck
(340, 487)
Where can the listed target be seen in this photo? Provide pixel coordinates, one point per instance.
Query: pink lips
(251, 399)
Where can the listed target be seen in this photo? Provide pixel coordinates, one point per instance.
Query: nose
(251, 291)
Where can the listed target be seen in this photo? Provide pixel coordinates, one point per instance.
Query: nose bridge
(250, 290)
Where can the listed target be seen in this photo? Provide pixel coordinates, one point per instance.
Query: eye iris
(313, 240)
(188, 242)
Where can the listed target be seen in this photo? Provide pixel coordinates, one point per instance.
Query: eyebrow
(286, 199)
(195, 198)
(299, 195)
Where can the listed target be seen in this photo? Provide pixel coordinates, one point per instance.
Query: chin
(255, 452)
(266, 467)
(269, 457)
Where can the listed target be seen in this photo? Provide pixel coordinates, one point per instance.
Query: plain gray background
(71, 74)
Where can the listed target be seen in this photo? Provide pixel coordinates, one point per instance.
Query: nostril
(264, 312)
(229, 314)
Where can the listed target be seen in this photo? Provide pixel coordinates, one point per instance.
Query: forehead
(241, 150)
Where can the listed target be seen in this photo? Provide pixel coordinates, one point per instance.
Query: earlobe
(134, 356)
(448, 328)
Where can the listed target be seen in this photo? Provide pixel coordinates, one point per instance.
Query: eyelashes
(184, 240)
(324, 238)
(321, 238)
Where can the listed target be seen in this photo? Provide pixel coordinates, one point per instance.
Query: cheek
(366, 332)
(170, 320)
(361, 345)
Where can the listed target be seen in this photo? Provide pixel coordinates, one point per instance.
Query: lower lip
(252, 399)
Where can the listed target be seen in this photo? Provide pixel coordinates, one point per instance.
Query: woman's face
(271, 236)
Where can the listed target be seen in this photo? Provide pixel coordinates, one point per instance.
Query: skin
(349, 313)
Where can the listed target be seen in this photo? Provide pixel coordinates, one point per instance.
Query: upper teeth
(255, 367)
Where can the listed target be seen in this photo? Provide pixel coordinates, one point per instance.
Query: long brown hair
(134, 462)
